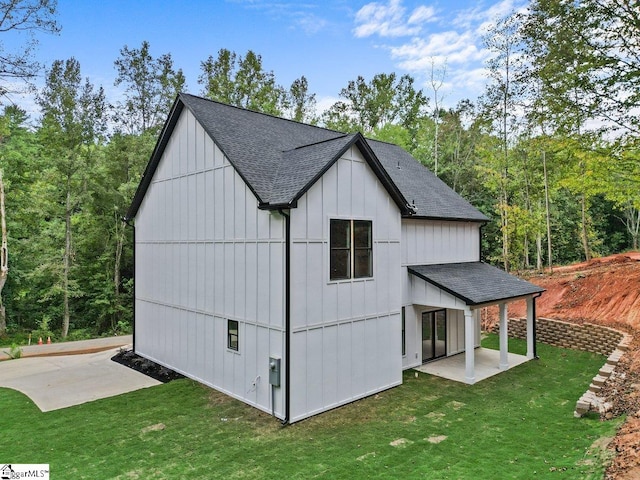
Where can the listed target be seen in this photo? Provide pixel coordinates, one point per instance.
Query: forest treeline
(549, 152)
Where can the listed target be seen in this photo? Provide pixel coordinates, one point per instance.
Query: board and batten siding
(432, 242)
(346, 337)
(205, 254)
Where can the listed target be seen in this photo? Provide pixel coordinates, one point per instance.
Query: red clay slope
(604, 291)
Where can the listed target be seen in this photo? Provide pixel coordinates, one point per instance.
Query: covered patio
(467, 287)
(486, 362)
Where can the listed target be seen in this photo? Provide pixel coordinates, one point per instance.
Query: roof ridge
(259, 113)
(320, 142)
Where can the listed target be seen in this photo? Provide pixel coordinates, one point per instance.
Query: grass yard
(518, 424)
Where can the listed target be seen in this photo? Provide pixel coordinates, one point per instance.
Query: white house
(298, 268)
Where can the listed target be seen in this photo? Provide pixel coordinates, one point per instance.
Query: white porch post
(530, 332)
(504, 339)
(469, 346)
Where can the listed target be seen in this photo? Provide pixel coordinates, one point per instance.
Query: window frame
(352, 249)
(230, 335)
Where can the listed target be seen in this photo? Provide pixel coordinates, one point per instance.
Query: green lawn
(518, 424)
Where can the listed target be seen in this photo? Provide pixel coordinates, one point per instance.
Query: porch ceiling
(475, 283)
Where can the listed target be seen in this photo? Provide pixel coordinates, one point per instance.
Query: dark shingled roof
(281, 159)
(475, 282)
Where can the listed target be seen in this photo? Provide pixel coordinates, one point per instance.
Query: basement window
(351, 249)
(232, 335)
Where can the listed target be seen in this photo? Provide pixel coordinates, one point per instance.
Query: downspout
(535, 347)
(287, 317)
(133, 324)
(480, 241)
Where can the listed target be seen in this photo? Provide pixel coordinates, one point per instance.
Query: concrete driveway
(54, 382)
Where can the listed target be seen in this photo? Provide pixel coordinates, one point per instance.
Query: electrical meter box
(274, 371)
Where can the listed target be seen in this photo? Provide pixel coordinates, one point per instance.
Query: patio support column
(530, 328)
(504, 339)
(469, 347)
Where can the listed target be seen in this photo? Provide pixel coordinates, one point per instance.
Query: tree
(4, 257)
(501, 98)
(151, 87)
(301, 105)
(242, 82)
(370, 106)
(436, 80)
(23, 16)
(585, 52)
(72, 124)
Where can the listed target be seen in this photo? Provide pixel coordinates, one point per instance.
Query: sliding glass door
(434, 335)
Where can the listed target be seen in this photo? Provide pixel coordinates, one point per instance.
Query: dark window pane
(362, 264)
(340, 267)
(340, 236)
(362, 234)
(232, 335)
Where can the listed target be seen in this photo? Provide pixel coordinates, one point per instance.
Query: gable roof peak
(279, 159)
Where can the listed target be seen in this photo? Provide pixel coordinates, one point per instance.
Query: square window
(232, 335)
(351, 249)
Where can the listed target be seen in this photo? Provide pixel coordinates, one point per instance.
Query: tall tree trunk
(632, 222)
(4, 258)
(120, 238)
(67, 265)
(585, 230)
(539, 251)
(504, 217)
(547, 212)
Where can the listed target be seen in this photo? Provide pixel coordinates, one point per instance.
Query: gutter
(127, 221)
(287, 318)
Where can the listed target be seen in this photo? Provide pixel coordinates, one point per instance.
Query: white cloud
(422, 14)
(324, 103)
(450, 47)
(480, 18)
(390, 20)
(311, 24)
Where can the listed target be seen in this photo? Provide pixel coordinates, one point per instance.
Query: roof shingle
(475, 282)
(280, 159)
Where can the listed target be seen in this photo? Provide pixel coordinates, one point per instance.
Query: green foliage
(14, 352)
(370, 106)
(151, 86)
(71, 176)
(241, 81)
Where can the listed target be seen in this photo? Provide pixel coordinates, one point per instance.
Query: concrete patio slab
(487, 363)
(62, 381)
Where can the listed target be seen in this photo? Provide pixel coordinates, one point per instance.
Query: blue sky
(328, 41)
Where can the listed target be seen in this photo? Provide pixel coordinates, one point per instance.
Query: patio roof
(475, 283)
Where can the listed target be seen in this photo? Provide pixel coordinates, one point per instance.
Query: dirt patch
(400, 442)
(604, 291)
(140, 364)
(436, 438)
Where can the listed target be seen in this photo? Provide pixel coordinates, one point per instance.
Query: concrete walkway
(60, 380)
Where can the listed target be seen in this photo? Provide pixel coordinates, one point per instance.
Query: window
(351, 249)
(232, 335)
